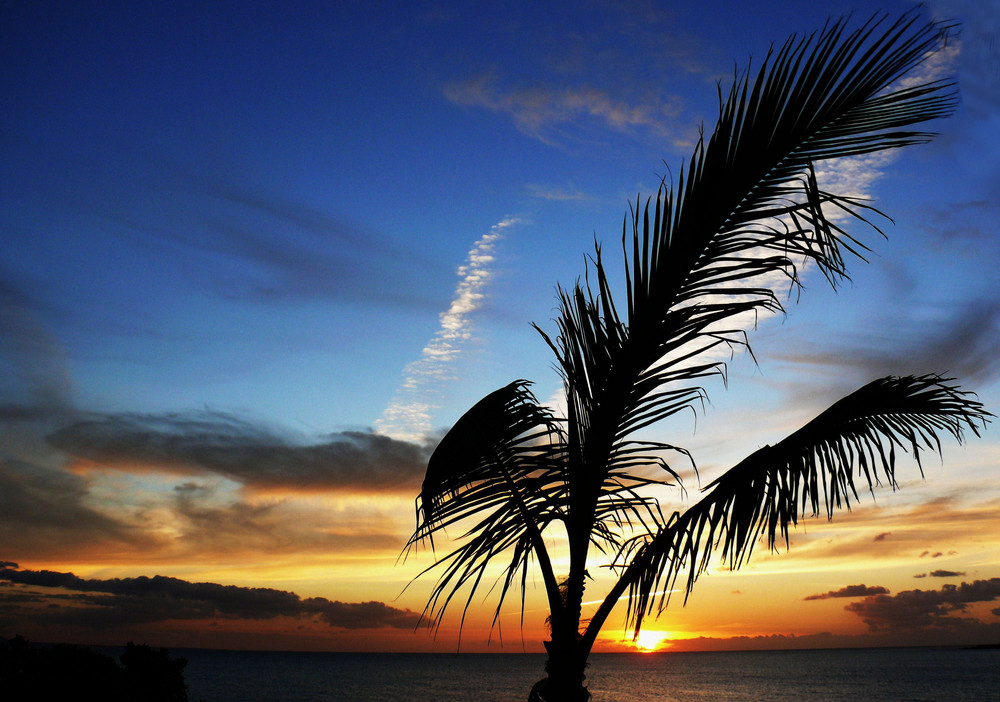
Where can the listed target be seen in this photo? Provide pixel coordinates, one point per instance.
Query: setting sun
(650, 640)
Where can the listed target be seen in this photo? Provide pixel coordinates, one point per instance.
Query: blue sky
(281, 223)
(256, 209)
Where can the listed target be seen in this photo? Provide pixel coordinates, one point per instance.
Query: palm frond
(497, 466)
(746, 211)
(816, 469)
(498, 432)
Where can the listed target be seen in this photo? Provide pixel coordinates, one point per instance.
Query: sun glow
(650, 640)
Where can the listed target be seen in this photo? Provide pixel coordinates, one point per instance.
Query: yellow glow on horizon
(651, 640)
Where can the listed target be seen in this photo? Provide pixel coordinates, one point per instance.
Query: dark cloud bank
(234, 448)
(98, 604)
(47, 506)
(913, 609)
(851, 591)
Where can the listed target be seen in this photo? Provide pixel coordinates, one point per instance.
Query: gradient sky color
(258, 257)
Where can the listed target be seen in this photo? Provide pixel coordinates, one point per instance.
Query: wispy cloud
(45, 511)
(34, 379)
(539, 111)
(408, 416)
(855, 176)
(928, 528)
(966, 227)
(962, 342)
(548, 192)
(260, 247)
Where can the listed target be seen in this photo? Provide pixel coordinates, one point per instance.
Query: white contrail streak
(408, 416)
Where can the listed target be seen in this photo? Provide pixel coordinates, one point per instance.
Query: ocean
(854, 675)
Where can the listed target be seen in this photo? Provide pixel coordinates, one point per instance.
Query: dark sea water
(858, 675)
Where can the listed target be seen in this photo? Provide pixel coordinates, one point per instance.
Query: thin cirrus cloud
(120, 602)
(35, 380)
(541, 111)
(557, 194)
(261, 247)
(962, 225)
(942, 523)
(408, 416)
(241, 240)
(963, 344)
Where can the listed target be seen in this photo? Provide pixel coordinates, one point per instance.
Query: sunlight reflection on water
(874, 675)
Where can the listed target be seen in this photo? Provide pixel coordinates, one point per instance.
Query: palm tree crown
(700, 259)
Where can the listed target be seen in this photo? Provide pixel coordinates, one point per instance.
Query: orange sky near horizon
(899, 543)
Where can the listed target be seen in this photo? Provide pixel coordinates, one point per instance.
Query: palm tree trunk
(565, 668)
(567, 657)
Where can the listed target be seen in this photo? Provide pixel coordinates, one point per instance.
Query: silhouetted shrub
(153, 675)
(74, 672)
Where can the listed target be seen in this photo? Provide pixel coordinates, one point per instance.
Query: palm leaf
(498, 431)
(496, 466)
(747, 208)
(816, 469)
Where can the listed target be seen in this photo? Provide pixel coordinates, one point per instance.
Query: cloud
(568, 79)
(199, 443)
(200, 486)
(557, 194)
(924, 608)
(962, 342)
(930, 521)
(122, 601)
(408, 416)
(883, 536)
(940, 574)
(537, 110)
(44, 512)
(850, 591)
(242, 240)
(34, 381)
(964, 226)
(261, 247)
(980, 50)
(207, 523)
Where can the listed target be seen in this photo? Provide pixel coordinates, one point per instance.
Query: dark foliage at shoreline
(62, 671)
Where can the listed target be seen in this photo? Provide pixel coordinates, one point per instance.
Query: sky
(257, 258)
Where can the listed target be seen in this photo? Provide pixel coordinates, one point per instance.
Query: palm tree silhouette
(745, 212)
